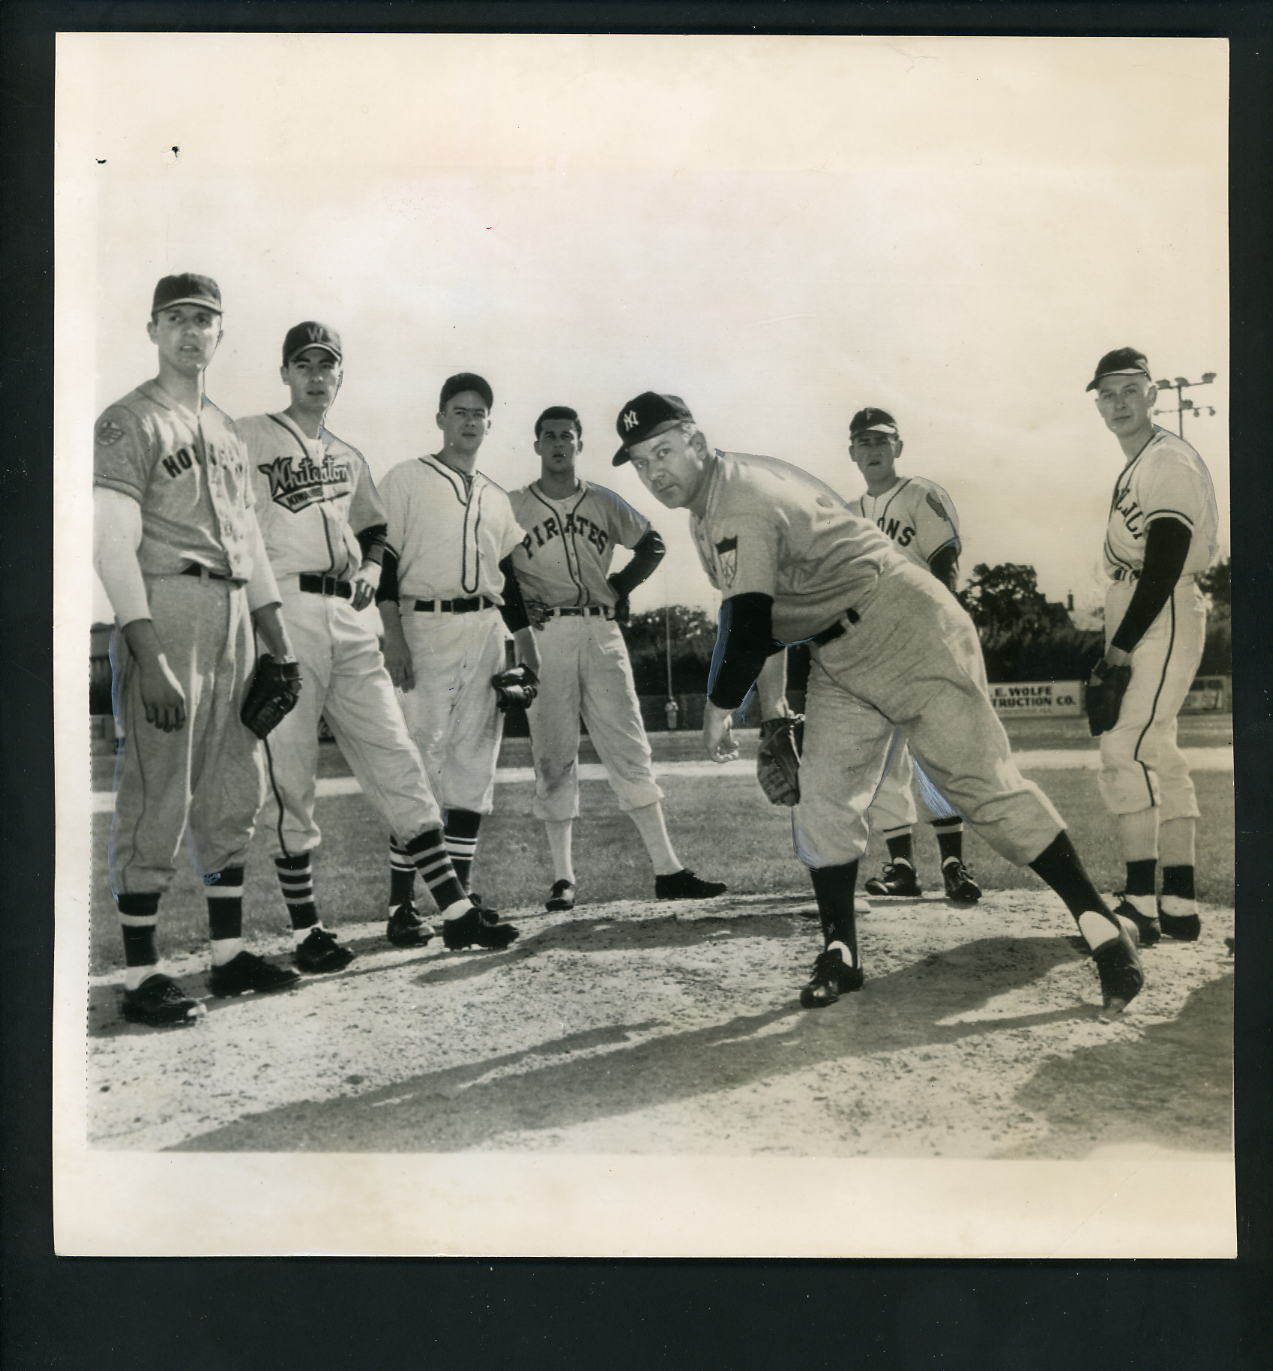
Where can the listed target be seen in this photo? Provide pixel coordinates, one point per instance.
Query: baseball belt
(829, 635)
(314, 584)
(583, 610)
(453, 606)
(204, 572)
(1126, 573)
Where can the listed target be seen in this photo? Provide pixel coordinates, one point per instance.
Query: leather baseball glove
(271, 694)
(1106, 686)
(778, 760)
(515, 688)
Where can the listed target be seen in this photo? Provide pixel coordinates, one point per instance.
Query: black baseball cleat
(685, 885)
(897, 878)
(1148, 929)
(406, 928)
(320, 952)
(478, 928)
(960, 885)
(1118, 966)
(1185, 928)
(248, 972)
(831, 979)
(562, 896)
(161, 1003)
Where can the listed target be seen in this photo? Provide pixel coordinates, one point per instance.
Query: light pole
(1183, 403)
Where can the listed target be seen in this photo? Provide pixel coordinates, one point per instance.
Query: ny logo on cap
(630, 419)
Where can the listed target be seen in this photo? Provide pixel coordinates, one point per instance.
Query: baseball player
(324, 530)
(179, 553)
(449, 599)
(572, 528)
(919, 517)
(1160, 534)
(891, 649)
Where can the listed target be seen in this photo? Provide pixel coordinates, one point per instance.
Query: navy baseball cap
(649, 413)
(558, 412)
(187, 289)
(310, 335)
(871, 420)
(462, 381)
(1120, 362)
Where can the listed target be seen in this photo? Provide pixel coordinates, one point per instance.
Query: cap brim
(619, 457)
(1122, 371)
(890, 429)
(190, 300)
(322, 347)
(623, 456)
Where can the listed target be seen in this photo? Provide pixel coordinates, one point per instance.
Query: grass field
(721, 826)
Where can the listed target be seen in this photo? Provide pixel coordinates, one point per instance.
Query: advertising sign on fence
(1037, 697)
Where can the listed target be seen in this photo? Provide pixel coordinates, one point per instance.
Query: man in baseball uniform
(180, 556)
(572, 528)
(919, 517)
(449, 600)
(1160, 534)
(891, 649)
(324, 531)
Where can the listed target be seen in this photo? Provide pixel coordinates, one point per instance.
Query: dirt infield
(647, 1028)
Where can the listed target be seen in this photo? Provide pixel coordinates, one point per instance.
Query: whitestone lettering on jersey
(297, 485)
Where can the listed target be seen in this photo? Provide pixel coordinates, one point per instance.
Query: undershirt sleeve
(744, 639)
(1166, 547)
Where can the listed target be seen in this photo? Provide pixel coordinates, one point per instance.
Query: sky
(779, 229)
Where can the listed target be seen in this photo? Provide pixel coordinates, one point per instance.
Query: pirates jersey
(313, 496)
(565, 556)
(449, 532)
(1165, 480)
(769, 527)
(916, 514)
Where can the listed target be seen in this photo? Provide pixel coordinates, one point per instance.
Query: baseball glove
(778, 760)
(1106, 686)
(272, 693)
(515, 688)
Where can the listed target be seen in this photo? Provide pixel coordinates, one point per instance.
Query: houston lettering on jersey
(543, 533)
(186, 459)
(295, 485)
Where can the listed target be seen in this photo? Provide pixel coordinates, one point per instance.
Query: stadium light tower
(1183, 403)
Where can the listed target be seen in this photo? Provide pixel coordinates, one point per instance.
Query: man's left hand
(718, 734)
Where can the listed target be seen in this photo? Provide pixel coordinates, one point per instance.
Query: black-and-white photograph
(659, 668)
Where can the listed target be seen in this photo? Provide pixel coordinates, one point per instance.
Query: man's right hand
(161, 694)
(398, 660)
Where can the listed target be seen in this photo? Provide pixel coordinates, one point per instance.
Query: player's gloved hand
(515, 688)
(271, 694)
(538, 612)
(366, 582)
(1103, 699)
(161, 695)
(398, 659)
(778, 760)
(718, 734)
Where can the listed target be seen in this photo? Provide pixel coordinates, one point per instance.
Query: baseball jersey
(313, 496)
(769, 527)
(449, 533)
(1165, 480)
(565, 556)
(916, 514)
(189, 474)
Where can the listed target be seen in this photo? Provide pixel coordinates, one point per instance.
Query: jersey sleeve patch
(107, 433)
(935, 504)
(727, 560)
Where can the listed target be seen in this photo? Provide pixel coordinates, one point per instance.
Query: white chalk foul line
(1056, 759)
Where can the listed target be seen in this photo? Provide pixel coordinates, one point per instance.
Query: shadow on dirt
(1130, 1091)
(466, 1107)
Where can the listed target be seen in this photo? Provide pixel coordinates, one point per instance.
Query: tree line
(1024, 635)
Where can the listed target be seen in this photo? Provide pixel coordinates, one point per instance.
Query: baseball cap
(310, 335)
(1120, 362)
(462, 381)
(186, 289)
(649, 413)
(558, 412)
(871, 420)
